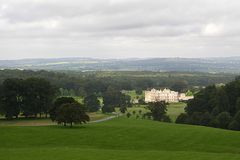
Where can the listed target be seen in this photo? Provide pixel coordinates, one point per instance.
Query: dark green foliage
(71, 113)
(166, 118)
(215, 106)
(179, 86)
(92, 103)
(123, 109)
(108, 109)
(38, 95)
(114, 98)
(195, 118)
(12, 99)
(205, 119)
(58, 103)
(158, 111)
(140, 112)
(128, 115)
(237, 106)
(223, 120)
(30, 97)
(182, 118)
(87, 83)
(237, 117)
(234, 125)
(139, 91)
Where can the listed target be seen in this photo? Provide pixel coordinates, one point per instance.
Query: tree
(237, 106)
(140, 112)
(38, 95)
(11, 98)
(157, 110)
(92, 103)
(205, 119)
(166, 118)
(58, 103)
(108, 109)
(138, 91)
(179, 86)
(128, 115)
(113, 98)
(234, 125)
(71, 113)
(223, 120)
(195, 118)
(182, 118)
(123, 109)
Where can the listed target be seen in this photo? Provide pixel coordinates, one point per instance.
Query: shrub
(195, 118)
(182, 118)
(223, 120)
(205, 119)
(166, 119)
(129, 115)
(234, 125)
(108, 109)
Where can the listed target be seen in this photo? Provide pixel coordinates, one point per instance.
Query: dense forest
(85, 83)
(215, 106)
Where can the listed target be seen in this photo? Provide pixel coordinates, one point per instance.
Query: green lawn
(173, 109)
(120, 139)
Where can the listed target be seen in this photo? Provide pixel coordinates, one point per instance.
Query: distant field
(119, 139)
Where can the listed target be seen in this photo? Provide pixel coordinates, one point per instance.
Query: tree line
(86, 83)
(29, 97)
(215, 106)
(36, 96)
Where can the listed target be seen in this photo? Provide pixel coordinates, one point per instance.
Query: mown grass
(121, 138)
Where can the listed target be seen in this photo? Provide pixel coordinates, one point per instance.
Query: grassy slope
(119, 139)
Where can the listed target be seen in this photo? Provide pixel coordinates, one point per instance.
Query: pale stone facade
(165, 95)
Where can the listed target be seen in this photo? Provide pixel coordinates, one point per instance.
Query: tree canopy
(215, 106)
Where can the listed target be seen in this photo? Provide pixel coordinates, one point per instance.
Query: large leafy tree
(158, 111)
(92, 103)
(114, 98)
(71, 113)
(11, 98)
(58, 103)
(38, 96)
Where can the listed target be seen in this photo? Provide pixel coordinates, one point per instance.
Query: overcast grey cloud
(119, 28)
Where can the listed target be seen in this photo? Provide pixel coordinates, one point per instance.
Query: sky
(119, 28)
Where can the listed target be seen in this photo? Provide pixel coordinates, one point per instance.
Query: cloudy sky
(119, 28)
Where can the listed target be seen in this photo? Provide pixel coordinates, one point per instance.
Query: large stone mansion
(165, 95)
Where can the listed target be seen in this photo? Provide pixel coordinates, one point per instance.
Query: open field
(173, 109)
(120, 138)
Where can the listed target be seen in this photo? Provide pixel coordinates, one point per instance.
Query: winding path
(104, 119)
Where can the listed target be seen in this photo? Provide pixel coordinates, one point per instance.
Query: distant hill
(211, 65)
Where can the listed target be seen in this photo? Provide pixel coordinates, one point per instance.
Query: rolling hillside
(210, 65)
(121, 139)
